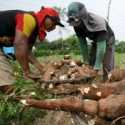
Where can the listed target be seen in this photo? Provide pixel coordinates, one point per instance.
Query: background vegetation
(69, 45)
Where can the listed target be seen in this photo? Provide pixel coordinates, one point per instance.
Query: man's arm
(83, 45)
(84, 49)
(25, 25)
(33, 60)
(21, 51)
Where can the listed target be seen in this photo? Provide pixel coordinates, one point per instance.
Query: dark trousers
(108, 61)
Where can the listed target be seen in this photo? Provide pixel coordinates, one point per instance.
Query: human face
(74, 21)
(49, 24)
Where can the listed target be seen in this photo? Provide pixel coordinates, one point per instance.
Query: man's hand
(36, 63)
(41, 69)
(31, 76)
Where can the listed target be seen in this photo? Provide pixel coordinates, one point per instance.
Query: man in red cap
(20, 28)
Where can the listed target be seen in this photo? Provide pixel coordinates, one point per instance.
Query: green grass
(57, 57)
(10, 109)
(119, 58)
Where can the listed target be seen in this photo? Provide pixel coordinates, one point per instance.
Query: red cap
(45, 12)
(40, 16)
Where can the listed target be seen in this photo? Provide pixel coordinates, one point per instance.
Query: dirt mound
(6, 71)
(62, 118)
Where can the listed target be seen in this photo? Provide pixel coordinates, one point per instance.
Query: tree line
(67, 46)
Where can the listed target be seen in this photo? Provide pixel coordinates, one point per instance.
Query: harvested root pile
(117, 75)
(69, 76)
(67, 71)
(105, 100)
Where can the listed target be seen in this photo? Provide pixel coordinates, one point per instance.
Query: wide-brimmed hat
(76, 11)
